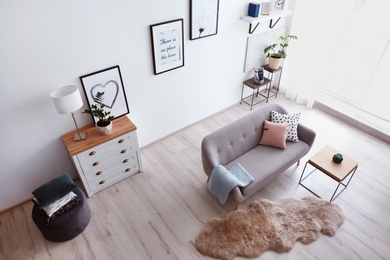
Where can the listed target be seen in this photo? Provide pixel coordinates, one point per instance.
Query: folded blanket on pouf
(61, 211)
(67, 225)
(56, 197)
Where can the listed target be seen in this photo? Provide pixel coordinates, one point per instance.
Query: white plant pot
(274, 63)
(105, 130)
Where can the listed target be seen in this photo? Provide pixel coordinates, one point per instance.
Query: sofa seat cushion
(264, 163)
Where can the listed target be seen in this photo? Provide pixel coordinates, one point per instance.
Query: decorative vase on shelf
(105, 130)
(259, 75)
(338, 158)
(104, 124)
(276, 52)
(274, 63)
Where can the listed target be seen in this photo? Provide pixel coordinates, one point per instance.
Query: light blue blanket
(223, 181)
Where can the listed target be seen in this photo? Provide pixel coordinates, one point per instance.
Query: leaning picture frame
(167, 45)
(279, 5)
(110, 82)
(204, 18)
(265, 8)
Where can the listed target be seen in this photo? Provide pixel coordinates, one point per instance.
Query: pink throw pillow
(274, 134)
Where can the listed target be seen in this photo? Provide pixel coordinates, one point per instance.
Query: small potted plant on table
(104, 124)
(277, 52)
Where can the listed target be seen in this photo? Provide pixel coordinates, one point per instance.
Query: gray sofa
(238, 142)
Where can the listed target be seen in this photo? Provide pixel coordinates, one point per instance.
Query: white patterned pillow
(292, 120)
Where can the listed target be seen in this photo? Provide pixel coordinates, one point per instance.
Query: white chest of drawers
(103, 160)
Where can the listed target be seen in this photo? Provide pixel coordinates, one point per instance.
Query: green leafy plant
(278, 50)
(97, 110)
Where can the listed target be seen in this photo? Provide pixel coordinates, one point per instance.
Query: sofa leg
(236, 208)
(298, 162)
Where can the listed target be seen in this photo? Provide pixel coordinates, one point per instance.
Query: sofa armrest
(306, 134)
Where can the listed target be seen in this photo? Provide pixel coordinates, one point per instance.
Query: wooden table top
(322, 160)
(251, 83)
(121, 126)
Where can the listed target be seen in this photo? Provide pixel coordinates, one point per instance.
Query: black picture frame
(110, 82)
(203, 18)
(167, 40)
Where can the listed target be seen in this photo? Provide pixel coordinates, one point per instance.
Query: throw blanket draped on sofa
(223, 181)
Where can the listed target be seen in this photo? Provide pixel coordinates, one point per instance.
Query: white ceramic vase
(274, 63)
(105, 130)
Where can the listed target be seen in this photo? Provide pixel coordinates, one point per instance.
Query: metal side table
(256, 91)
(270, 74)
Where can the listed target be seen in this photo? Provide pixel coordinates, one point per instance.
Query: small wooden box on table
(256, 91)
(323, 162)
(103, 160)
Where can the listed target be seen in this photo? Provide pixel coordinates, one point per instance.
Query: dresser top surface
(121, 126)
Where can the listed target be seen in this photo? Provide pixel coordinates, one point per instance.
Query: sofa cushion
(236, 138)
(264, 163)
(292, 120)
(274, 134)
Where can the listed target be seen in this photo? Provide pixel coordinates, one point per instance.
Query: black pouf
(68, 225)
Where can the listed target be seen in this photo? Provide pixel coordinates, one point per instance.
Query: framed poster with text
(167, 45)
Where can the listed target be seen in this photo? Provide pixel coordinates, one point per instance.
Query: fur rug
(268, 225)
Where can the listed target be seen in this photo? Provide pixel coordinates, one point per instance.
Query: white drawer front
(115, 158)
(101, 152)
(108, 178)
(109, 163)
(124, 164)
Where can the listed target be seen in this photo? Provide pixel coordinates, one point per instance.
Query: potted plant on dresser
(104, 124)
(277, 52)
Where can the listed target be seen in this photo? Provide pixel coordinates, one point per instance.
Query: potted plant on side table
(104, 124)
(277, 52)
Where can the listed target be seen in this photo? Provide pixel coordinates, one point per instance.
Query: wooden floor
(158, 213)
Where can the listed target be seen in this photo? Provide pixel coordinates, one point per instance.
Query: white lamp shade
(67, 99)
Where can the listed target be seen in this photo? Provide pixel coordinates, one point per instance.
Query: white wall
(49, 44)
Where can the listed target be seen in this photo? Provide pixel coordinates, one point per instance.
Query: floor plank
(158, 213)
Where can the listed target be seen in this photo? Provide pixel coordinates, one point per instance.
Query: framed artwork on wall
(110, 82)
(204, 18)
(167, 45)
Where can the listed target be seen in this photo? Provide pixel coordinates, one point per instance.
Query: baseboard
(353, 122)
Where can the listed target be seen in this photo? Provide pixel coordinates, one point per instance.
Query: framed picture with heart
(108, 81)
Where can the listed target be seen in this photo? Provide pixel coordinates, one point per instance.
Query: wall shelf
(274, 15)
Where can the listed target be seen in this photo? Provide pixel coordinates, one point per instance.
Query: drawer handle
(95, 164)
(128, 169)
(123, 151)
(125, 160)
(121, 141)
(102, 182)
(92, 153)
(98, 173)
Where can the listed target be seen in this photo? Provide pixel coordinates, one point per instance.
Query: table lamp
(68, 100)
